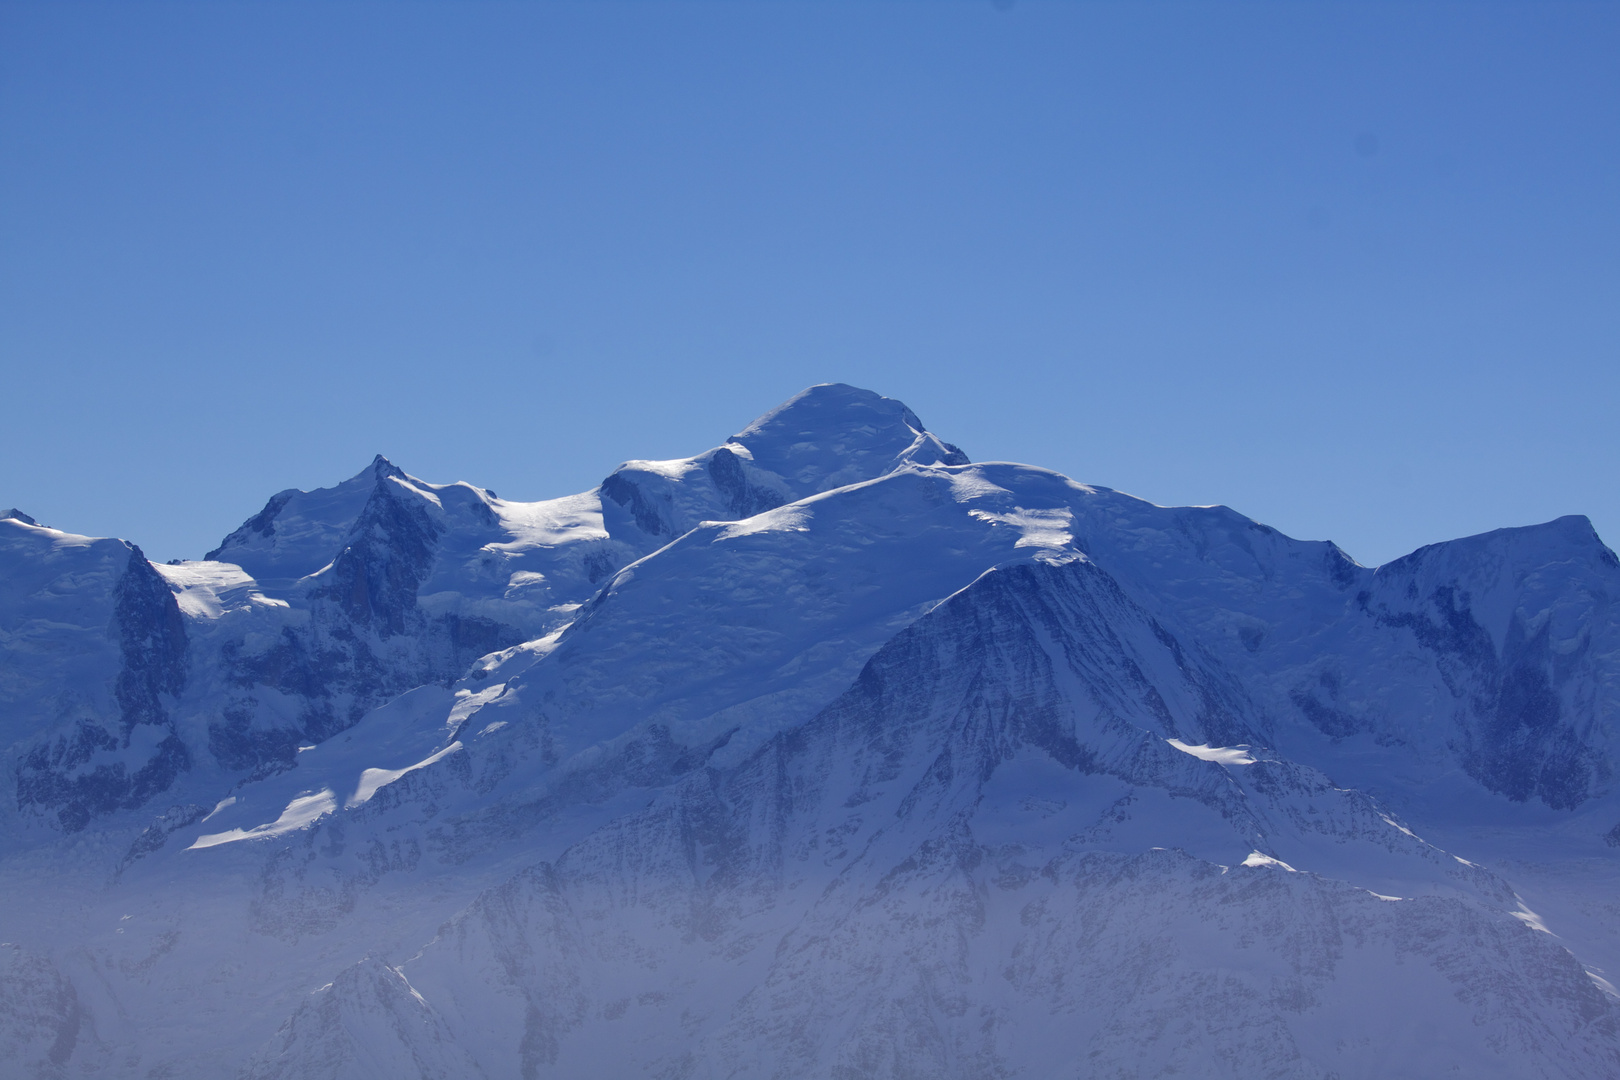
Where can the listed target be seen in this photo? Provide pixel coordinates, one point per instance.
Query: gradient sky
(1352, 269)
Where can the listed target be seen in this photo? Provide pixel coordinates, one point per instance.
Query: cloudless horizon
(1348, 268)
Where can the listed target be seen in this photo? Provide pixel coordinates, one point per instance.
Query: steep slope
(953, 872)
(825, 752)
(328, 603)
(1084, 688)
(1521, 625)
(93, 652)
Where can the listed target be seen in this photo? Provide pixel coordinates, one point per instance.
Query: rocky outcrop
(974, 864)
(101, 763)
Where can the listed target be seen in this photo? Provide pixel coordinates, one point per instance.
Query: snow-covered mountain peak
(773, 759)
(15, 514)
(1567, 539)
(824, 438)
(298, 532)
(834, 434)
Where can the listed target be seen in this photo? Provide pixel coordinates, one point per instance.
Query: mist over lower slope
(826, 752)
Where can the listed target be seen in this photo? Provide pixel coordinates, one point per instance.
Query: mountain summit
(833, 435)
(298, 532)
(823, 752)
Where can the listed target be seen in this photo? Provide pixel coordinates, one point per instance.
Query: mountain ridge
(831, 730)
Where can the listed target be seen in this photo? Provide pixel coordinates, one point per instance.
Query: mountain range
(824, 753)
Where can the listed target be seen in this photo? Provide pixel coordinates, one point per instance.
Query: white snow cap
(298, 532)
(834, 434)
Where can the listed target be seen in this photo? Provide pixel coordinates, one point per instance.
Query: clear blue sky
(1352, 269)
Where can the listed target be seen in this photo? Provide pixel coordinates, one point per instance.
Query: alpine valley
(824, 753)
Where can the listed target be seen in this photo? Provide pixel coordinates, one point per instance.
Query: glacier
(825, 752)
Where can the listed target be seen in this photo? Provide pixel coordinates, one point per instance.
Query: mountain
(826, 752)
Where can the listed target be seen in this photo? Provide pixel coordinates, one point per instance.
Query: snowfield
(825, 753)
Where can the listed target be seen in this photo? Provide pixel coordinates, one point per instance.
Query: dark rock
(152, 647)
(389, 553)
(730, 478)
(155, 835)
(626, 493)
(263, 524)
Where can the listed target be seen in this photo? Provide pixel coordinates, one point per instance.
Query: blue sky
(1352, 269)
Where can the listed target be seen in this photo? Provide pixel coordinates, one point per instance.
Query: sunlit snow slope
(823, 753)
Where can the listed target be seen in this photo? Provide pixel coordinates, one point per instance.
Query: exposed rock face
(1511, 620)
(364, 637)
(744, 496)
(925, 881)
(101, 764)
(299, 532)
(351, 595)
(389, 552)
(822, 753)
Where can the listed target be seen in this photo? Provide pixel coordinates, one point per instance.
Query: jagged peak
(381, 467)
(378, 469)
(15, 514)
(322, 518)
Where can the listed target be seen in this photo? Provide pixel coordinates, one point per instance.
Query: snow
(670, 470)
(373, 780)
(470, 701)
(301, 813)
(786, 519)
(1530, 918)
(549, 523)
(210, 590)
(1221, 755)
(754, 786)
(428, 491)
(970, 484)
(1392, 823)
(309, 529)
(1037, 528)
